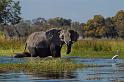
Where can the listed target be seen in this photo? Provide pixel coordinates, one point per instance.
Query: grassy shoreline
(82, 48)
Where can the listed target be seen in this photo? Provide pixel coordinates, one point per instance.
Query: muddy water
(107, 70)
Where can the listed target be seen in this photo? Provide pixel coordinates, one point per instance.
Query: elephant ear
(74, 35)
(53, 36)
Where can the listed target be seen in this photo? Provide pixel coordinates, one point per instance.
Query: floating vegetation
(38, 65)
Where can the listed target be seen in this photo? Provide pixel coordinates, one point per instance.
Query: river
(107, 70)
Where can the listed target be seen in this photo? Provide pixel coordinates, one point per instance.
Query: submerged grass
(38, 65)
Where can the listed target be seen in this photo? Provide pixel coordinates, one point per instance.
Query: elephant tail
(25, 47)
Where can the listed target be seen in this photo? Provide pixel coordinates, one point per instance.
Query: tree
(77, 27)
(9, 12)
(39, 21)
(111, 28)
(95, 27)
(119, 23)
(59, 22)
(98, 20)
(23, 28)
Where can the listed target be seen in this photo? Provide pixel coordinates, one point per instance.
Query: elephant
(22, 55)
(49, 43)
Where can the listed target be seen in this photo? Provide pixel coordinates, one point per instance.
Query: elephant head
(59, 37)
(68, 37)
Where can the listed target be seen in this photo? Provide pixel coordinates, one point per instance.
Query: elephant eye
(62, 37)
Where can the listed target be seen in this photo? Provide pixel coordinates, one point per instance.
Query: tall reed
(97, 48)
(8, 46)
(84, 48)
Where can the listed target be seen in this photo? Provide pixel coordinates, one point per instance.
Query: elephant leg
(55, 51)
(52, 50)
(32, 51)
(58, 51)
(43, 52)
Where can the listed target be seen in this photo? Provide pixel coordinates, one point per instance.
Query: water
(107, 70)
(6, 59)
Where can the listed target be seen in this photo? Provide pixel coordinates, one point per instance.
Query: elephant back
(37, 40)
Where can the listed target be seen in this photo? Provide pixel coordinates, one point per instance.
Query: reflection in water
(108, 70)
(53, 75)
(31, 77)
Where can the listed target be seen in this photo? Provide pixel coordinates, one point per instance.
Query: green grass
(38, 65)
(82, 48)
(97, 48)
(10, 46)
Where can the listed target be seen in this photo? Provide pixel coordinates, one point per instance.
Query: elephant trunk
(69, 47)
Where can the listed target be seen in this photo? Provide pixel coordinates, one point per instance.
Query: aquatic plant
(38, 65)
